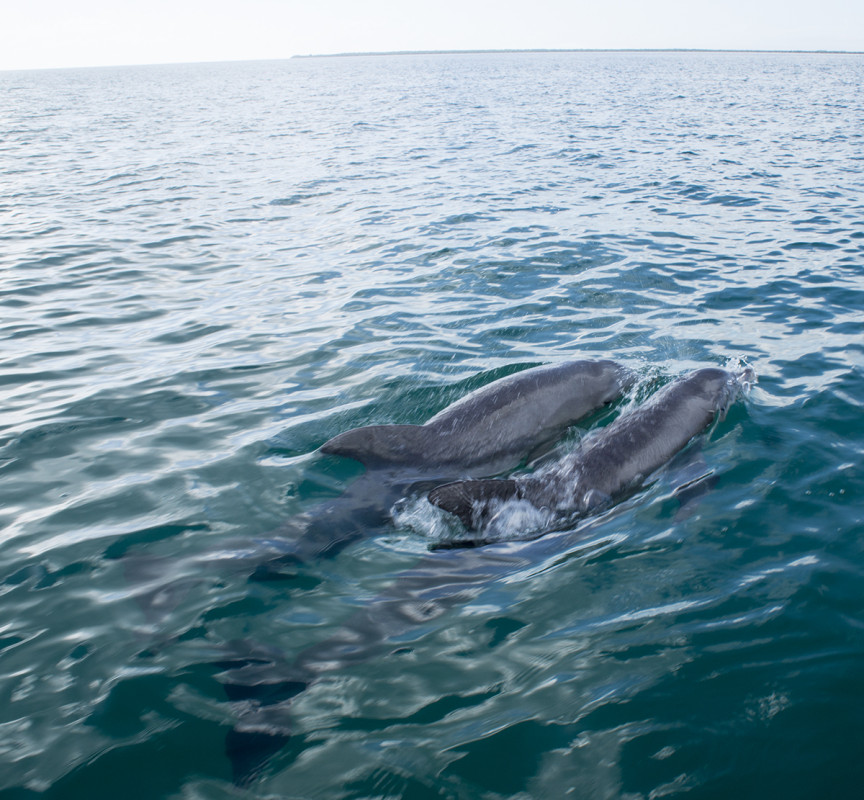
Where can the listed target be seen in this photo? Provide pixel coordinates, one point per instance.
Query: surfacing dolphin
(490, 431)
(493, 428)
(609, 465)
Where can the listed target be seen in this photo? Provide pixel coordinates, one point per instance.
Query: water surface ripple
(207, 271)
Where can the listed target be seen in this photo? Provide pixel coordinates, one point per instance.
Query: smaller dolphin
(494, 428)
(610, 464)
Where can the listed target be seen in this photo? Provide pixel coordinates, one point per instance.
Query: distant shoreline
(570, 50)
(361, 54)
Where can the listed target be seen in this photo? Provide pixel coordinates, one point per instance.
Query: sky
(59, 33)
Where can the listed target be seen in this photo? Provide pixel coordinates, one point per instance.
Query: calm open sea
(207, 271)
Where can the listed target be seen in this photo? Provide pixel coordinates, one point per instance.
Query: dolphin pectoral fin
(469, 500)
(692, 478)
(376, 445)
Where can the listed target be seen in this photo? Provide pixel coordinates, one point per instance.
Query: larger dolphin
(494, 428)
(487, 432)
(611, 463)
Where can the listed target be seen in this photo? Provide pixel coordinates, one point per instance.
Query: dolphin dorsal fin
(469, 500)
(379, 445)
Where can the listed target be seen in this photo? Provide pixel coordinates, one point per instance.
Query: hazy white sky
(59, 33)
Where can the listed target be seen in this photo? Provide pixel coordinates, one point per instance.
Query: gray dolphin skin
(494, 428)
(614, 461)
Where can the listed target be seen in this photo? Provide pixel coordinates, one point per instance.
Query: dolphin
(493, 428)
(609, 465)
(263, 683)
(487, 432)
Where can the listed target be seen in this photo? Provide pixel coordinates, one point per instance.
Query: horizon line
(481, 51)
(477, 51)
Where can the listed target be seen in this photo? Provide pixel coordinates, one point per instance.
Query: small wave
(170, 240)
(297, 199)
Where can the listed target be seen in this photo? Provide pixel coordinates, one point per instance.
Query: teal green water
(208, 271)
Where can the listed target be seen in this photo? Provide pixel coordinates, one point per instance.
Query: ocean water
(207, 271)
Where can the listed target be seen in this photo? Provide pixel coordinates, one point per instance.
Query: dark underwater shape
(616, 460)
(262, 683)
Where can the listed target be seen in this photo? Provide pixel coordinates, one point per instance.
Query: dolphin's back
(525, 405)
(495, 427)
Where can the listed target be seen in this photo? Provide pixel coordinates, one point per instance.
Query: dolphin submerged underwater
(489, 431)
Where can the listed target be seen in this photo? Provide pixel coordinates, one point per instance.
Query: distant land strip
(569, 50)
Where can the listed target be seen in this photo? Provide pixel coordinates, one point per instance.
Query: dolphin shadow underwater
(610, 465)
